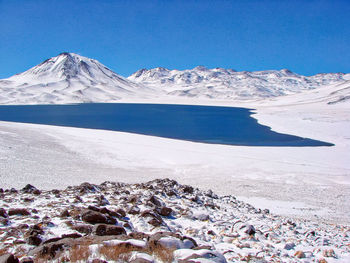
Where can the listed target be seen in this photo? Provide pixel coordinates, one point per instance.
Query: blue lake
(208, 124)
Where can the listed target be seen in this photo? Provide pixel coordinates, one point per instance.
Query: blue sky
(307, 37)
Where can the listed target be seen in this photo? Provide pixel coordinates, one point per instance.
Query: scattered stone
(329, 253)
(164, 211)
(121, 212)
(3, 213)
(250, 230)
(65, 213)
(34, 240)
(108, 230)
(156, 201)
(299, 254)
(289, 246)
(102, 201)
(134, 210)
(72, 235)
(87, 188)
(19, 212)
(188, 189)
(227, 225)
(28, 189)
(84, 229)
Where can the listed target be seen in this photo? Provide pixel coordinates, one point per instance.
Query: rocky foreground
(158, 221)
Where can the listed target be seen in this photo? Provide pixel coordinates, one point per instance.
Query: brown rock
(3, 213)
(72, 235)
(51, 240)
(138, 235)
(299, 254)
(127, 225)
(133, 199)
(34, 240)
(165, 211)
(65, 213)
(94, 217)
(155, 222)
(4, 221)
(149, 213)
(19, 211)
(155, 200)
(329, 253)
(35, 230)
(121, 212)
(94, 208)
(28, 189)
(171, 193)
(188, 189)
(87, 188)
(108, 230)
(134, 210)
(84, 229)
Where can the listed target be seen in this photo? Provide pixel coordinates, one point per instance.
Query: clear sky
(307, 37)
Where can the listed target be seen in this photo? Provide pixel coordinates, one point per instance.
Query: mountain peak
(69, 77)
(200, 68)
(65, 65)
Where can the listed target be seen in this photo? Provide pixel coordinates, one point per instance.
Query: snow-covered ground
(311, 182)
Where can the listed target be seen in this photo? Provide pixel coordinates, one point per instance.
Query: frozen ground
(311, 182)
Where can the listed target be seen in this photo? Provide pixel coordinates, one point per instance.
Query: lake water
(209, 124)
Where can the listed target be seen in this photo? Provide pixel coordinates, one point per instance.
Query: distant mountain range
(71, 78)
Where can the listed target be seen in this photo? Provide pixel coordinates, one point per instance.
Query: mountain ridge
(72, 78)
(201, 82)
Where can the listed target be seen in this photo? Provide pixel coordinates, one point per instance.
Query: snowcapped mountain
(71, 78)
(220, 83)
(68, 78)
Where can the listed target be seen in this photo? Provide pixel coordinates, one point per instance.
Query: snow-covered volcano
(68, 78)
(220, 83)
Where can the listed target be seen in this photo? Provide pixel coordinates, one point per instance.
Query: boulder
(34, 240)
(134, 210)
(87, 188)
(188, 189)
(289, 246)
(108, 230)
(164, 211)
(299, 254)
(65, 213)
(94, 217)
(3, 213)
(102, 201)
(250, 230)
(19, 211)
(84, 229)
(29, 189)
(156, 201)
